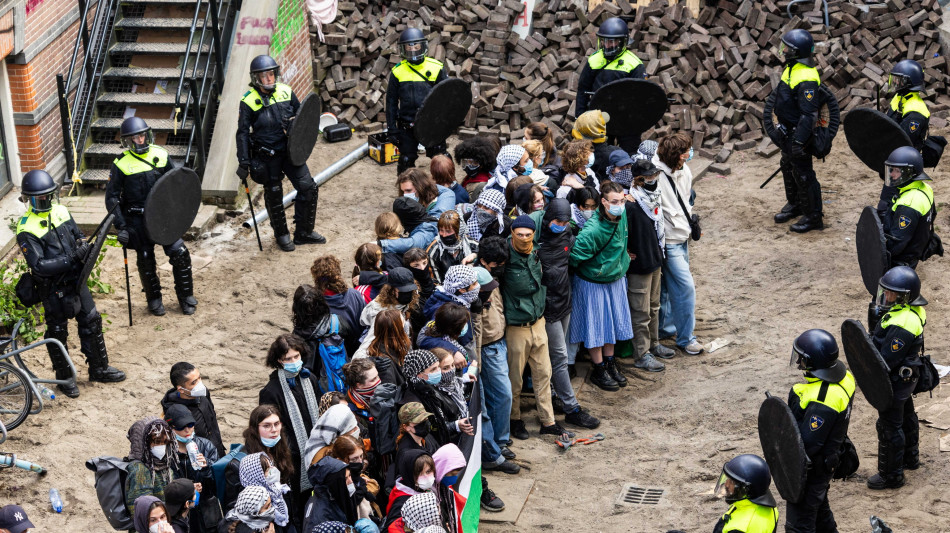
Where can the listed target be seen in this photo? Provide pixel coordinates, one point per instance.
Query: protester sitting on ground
(449, 248)
(576, 163)
(368, 274)
(149, 469)
(338, 420)
(258, 470)
(488, 217)
(13, 519)
(415, 474)
(416, 260)
(150, 515)
(188, 389)
(584, 202)
(179, 503)
(400, 293)
(423, 373)
(253, 513)
(389, 346)
(449, 463)
(443, 173)
(344, 302)
(419, 512)
(536, 154)
(415, 429)
(183, 426)
(529, 198)
(387, 226)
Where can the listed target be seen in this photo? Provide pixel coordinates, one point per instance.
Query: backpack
(220, 466)
(110, 489)
(333, 356)
(383, 408)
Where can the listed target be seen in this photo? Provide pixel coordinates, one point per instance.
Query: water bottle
(46, 393)
(55, 500)
(192, 448)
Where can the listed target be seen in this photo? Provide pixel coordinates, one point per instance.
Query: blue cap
(619, 158)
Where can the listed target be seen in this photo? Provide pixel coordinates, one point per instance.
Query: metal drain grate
(635, 495)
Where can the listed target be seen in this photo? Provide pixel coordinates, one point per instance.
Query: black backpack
(384, 408)
(110, 489)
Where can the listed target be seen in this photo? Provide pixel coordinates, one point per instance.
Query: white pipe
(318, 180)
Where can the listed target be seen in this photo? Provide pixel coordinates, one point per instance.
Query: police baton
(250, 203)
(128, 290)
(766, 182)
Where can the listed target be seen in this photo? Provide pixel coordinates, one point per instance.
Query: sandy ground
(758, 286)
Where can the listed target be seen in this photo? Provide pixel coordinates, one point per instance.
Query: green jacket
(600, 251)
(521, 287)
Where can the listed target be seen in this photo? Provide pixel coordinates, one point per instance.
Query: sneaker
(602, 379)
(582, 418)
(649, 363)
(614, 372)
(693, 348)
(492, 503)
(506, 467)
(663, 352)
(507, 453)
(518, 430)
(556, 430)
(879, 482)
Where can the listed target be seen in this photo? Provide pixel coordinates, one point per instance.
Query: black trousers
(801, 182)
(813, 513)
(899, 428)
(408, 146)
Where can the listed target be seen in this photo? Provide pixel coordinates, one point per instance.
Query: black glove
(81, 250)
(797, 149)
(243, 170)
(123, 237)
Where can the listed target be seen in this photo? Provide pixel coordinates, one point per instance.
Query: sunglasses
(186, 426)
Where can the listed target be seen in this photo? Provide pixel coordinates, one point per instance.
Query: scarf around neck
(296, 418)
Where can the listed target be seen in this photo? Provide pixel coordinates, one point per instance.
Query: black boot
(93, 346)
(60, 365)
(303, 227)
(811, 205)
(601, 378)
(273, 202)
(180, 260)
(151, 286)
(890, 461)
(791, 209)
(611, 364)
(911, 447)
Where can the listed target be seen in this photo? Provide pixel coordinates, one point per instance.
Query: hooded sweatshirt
(677, 224)
(206, 419)
(448, 458)
(554, 251)
(140, 518)
(330, 501)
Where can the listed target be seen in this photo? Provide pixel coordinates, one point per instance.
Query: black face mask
(484, 296)
(651, 186)
(471, 171)
(404, 297)
(422, 429)
(450, 240)
(498, 271)
(355, 469)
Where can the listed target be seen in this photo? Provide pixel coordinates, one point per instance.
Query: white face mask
(273, 476)
(426, 482)
(159, 451)
(351, 488)
(157, 526)
(199, 391)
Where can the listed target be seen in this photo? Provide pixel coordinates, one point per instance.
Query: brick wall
(290, 46)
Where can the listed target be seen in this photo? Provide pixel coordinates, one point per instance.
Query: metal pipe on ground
(318, 180)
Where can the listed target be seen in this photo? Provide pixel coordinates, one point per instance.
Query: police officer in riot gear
(744, 483)
(796, 107)
(822, 408)
(264, 117)
(899, 337)
(908, 219)
(907, 107)
(54, 249)
(133, 175)
(409, 83)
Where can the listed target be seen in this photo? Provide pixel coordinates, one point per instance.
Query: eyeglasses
(187, 426)
(274, 425)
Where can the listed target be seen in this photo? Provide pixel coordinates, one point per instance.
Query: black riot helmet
(899, 286)
(906, 76)
(746, 477)
(798, 45)
(39, 188)
(903, 166)
(612, 37)
(816, 352)
(413, 46)
(260, 65)
(131, 127)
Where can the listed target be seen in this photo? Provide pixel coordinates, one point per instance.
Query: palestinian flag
(470, 481)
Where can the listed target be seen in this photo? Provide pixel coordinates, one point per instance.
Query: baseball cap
(178, 416)
(619, 158)
(485, 280)
(177, 493)
(401, 279)
(13, 518)
(413, 413)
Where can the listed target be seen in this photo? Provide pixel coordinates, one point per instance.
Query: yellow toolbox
(381, 150)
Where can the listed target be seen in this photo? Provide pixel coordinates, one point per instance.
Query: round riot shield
(867, 365)
(304, 130)
(634, 106)
(442, 112)
(783, 448)
(97, 242)
(171, 205)
(872, 136)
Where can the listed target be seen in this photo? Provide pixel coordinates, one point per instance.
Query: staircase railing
(203, 89)
(77, 119)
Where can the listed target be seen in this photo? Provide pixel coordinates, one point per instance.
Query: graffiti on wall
(291, 18)
(253, 30)
(31, 5)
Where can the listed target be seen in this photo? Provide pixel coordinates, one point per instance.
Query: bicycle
(9, 460)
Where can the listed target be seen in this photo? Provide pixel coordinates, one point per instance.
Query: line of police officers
(52, 245)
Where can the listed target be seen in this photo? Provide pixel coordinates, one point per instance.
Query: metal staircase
(161, 60)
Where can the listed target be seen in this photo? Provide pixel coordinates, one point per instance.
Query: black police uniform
(796, 107)
(131, 178)
(51, 243)
(599, 71)
(911, 113)
(823, 412)
(263, 120)
(908, 222)
(899, 338)
(408, 87)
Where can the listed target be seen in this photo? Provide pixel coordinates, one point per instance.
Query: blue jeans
(497, 387)
(491, 452)
(677, 296)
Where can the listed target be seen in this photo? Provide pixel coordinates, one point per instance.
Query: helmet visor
(41, 203)
(725, 487)
(897, 175)
(897, 82)
(798, 359)
(887, 298)
(414, 50)
(266, 79)
(611, 45)
(138, 142)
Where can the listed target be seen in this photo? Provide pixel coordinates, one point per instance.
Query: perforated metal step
(143, 98)
(94, 176)
(103, 149)
(156, 48)
(134, 23)
(155, 124)
(144, 73)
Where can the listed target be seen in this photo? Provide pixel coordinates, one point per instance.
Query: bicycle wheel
(16, 398)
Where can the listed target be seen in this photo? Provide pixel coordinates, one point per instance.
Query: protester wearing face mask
(388, 348)
(551, 160)
(333, 494)
(592, 126)
(529, 198)
(183, 427)
(151, 515)
(449, 248)
(362, 467)
(294, 390)
(423, 374)
(416, 260)
(188, 389)
(414, 473)
(400, 293)
(180, 497)
(618, 169)
(451, 321)
(337, 420)
(417, 184)
(577, 159)
(645, 243)
(512, 161)
(361, 379)
(537, 155)
(460, 286)
(584, 202)
(476, 156)
(149, 468)
(523, 294)
(253, 513)
(449, 463)
(415, 429)
(600, 316)
(257, 470)
(488, 217)
(368, 274)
